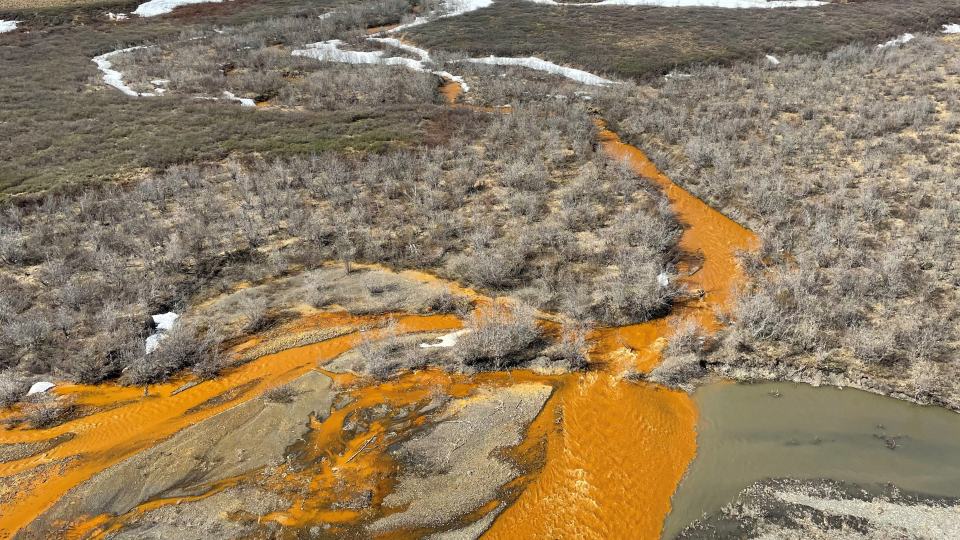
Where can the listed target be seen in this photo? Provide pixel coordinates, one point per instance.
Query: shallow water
(748, 434)
(623, 447)
(133, 422)
(615, 453)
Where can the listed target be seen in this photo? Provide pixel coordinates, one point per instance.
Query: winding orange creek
(624, 447)
(615, 450)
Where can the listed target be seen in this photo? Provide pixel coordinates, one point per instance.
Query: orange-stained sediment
(110, 436)
(615, 450)
(450, 90)
(623, 449)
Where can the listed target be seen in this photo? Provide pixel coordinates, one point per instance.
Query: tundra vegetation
(846, 165)
(640, 41)
(851, 193)
(514, 204)
(62, 129)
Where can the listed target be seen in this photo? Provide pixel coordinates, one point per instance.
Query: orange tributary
(134, 422)
(615, 449)
(623, 448)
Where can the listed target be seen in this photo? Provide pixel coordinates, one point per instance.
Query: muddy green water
(751, 432)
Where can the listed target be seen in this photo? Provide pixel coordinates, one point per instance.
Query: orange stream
(450, 90)
(615, 450)
(110, 436)
(624, 447)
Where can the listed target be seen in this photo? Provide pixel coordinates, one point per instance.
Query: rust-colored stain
(615, 451)
(108, 437)
(450, 90)
(623, 448)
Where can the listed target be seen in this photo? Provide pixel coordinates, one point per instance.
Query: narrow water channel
(752, 432)
(624, 447)
(615, 459)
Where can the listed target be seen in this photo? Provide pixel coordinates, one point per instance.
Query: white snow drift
(447, 340)
(452, 8)
(8, 26)
(731, 4)
(896, 42)
(244, 102)
(543, 65)
(164, 322)
(40, 387)
(951, 29)
(113, 77)
(329, 51)
(159, 7)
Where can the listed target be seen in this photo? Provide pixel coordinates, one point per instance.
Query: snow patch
(455, 78)
(8, 26)
(729, 4)
(448, 340)
(453, 8)
(951, 29)
(113, 77)
(329, 51)
(393, 42)
(153, 341)
(164, 322)
(896, 42)
(244, 102)
(543, 65)
(159, 7)
(117, 16)
(40, 387)
(678, 76)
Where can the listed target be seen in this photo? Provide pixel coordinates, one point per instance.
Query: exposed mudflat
(193, 462)
(453, 470)
(785, 509)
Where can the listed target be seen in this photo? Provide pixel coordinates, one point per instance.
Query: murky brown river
(610, 470)
(615, 451)
(752, 432)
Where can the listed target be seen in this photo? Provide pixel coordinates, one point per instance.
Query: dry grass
(853, 193)
(643, 40)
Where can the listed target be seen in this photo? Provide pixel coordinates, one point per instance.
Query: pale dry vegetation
(846, 166)
(254, 61)
(515, 204)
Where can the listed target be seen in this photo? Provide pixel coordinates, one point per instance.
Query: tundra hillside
(513, 203)
(846, 165)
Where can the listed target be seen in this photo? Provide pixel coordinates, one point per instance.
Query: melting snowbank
(543, 65)
(159, 7)
(951, 29)
(730, 4)
(447, 340)
(896, 42)
(453, 8)
(8, 26)
(40, 387)
(393, 42)
(113, 77)
(164, 322)
(329, 51)
(244, 102)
